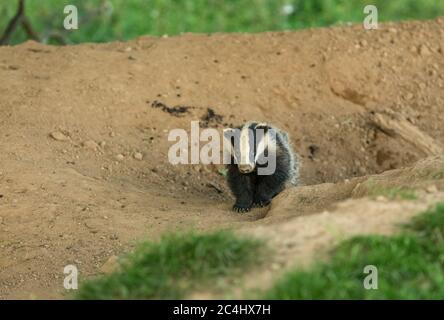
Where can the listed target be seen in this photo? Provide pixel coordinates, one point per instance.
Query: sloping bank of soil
(84, 171)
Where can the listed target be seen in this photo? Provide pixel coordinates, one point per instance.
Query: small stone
(102, 144)
(409, 96)
(424, 50)
(57, 135)
(114, 237)
(90, 144)
(120, 157)
(138, 156)
(432, 189)
(393, 30)
(111, 265)
(275, 266)
(381, 199)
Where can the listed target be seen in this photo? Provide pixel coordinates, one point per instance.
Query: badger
(261, 164)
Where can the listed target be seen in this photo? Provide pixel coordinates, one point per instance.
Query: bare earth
(75, 190)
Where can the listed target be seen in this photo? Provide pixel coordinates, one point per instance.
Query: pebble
(432, 189)
(138, 156)
(409, 96)
(424, 50)
(275, 266)
(120, 157)
(90, 144)
(114, 237)
(58, 136)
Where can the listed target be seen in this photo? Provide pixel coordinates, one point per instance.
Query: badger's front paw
(261, 203)
(241, 208)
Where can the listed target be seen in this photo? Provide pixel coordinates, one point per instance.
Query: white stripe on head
(245, 145)
(228, 135)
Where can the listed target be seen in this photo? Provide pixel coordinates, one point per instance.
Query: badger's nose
(245, 168)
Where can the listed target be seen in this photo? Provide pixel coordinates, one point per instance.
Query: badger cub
(262, 164)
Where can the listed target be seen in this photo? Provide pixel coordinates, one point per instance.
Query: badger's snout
(246, 168)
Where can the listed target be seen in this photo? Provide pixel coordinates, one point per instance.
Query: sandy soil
(84, 172)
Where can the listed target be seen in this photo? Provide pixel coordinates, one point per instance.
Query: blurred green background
(107, 20)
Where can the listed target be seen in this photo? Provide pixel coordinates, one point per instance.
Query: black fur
(253, 190)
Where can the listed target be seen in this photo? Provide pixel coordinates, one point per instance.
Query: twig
(29, 30)
(14, 23)
(397, 126)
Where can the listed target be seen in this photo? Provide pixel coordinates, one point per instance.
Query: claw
(261, 204)
(241, 209)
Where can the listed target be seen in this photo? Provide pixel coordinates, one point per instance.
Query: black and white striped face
(249, 145)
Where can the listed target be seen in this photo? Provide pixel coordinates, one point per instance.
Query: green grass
(168, 269)
(395, 193)
(375, 190)
(410, 266)
(102, 20)
(438, 175)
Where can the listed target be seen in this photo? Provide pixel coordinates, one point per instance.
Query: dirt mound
(84, 170)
